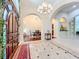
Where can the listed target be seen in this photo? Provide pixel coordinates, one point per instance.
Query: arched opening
(64, 20)
(31, 26)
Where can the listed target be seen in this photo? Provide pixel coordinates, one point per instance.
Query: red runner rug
(24, 52)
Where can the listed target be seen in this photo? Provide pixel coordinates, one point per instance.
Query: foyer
(34, 31)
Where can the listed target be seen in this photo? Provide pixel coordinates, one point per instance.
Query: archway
(65, 13)
(31, 26)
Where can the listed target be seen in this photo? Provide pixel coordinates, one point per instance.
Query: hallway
(41, 29)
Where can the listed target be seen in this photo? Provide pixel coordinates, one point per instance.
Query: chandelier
(44, 8)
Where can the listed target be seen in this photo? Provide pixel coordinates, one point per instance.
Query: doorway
(32, 26)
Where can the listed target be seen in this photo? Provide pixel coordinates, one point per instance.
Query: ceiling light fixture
(74, 6)
(44, 8)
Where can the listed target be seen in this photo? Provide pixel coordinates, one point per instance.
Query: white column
(20, 32)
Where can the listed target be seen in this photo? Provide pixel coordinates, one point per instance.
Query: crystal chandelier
(45, 8)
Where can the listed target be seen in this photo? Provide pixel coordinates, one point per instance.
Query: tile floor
(47, 50)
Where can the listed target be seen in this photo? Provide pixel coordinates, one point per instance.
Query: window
(77, 24)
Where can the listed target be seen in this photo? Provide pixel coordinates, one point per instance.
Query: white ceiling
(69, 10)
(36, 3)
(69, 7)
(40, 1)
(32, 6)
